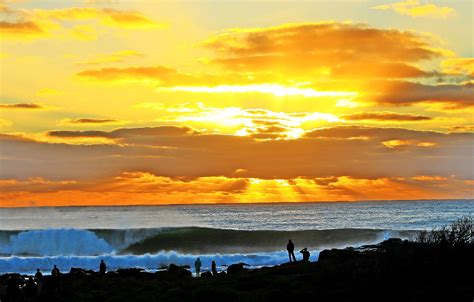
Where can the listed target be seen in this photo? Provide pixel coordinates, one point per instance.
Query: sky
(178, 102)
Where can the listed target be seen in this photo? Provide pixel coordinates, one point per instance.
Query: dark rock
(178, 270)
(78, 271)
(336, 255)
(236, 268)
(206, 274)
(130, 272)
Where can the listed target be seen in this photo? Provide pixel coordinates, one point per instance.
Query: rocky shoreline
(393, 270)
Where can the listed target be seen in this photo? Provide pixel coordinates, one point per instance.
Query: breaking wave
(183, 240)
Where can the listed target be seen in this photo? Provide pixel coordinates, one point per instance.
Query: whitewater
(151, 237)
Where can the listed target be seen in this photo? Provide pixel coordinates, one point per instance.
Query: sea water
(151, 237)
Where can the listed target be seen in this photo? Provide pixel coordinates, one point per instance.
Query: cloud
(27, 29)
(129, 188)
(183, 152)
(166, 76)
(256, 122)
(21, 106)
(42, 23)
(169, 79)
(415, 9)
(316, 49)
(172, 164)
(450, 96)
(107, 16)
(92, 121)
(463, 128)
(458, 66)
(384, 116)
(125, 133)
(397, 143)
(292, 59)
(307, 59)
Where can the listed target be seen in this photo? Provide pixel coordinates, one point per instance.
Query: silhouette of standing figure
(55, 272)
(213, 268)
(197, 265)
(39, 281)
(102, 267)
(290, 247)
(55, 276)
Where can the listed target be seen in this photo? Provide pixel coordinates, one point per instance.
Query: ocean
(151, 237)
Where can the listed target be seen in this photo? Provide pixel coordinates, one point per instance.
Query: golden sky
(163, 102)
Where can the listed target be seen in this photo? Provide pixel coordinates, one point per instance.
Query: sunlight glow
(275, 89)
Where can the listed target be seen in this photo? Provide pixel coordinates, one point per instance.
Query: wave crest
(193, 240)
(56, 242)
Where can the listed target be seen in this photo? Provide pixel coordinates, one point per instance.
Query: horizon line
(238, 203)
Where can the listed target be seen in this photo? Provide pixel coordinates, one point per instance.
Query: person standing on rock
(55, 277)
(213, 268)
(55, 272)
(197, 265)
(39, 281)
(290, 247)
(102, 267)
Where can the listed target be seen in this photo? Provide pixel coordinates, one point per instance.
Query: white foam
(56, 242)
(149, 261)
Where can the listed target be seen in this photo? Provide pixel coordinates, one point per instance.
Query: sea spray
(56, 242)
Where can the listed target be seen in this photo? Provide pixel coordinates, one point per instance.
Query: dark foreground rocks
(394, 270)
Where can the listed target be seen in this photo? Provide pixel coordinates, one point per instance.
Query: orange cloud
(169, 79)
(144, 188)
(450, 96)
(183, 152)
(257, 122)
(384, 116)
(396, 143)
(38, 23)
(107, 16)
(316, 49)
(458, 66)
(464, 128)
(27, 29)
(415, 9)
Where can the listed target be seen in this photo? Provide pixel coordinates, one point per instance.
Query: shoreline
(393, 270)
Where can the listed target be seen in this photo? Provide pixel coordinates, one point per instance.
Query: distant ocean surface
(154, 236)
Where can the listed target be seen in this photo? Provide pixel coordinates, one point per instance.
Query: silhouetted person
(55, 277)
(30, 289)
(102, 267)
(38, 275)
(214, 268)
(55, 272)
(197, 266)
(39, 281)
(305, 253)
(290, 247)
